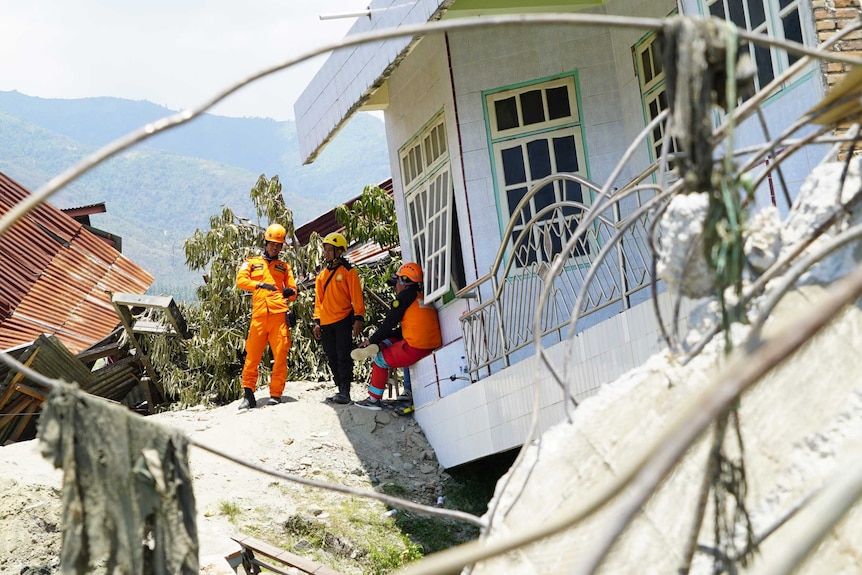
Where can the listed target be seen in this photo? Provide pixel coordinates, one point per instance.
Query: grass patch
(434, 534)
(388, 559)
(230, 509)
(355, 536)
(395, 490)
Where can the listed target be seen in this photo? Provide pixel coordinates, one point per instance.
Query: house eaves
(350, 77)
(354, 78)
(83, 213)
(56, 277)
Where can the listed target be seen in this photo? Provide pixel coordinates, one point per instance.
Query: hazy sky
(171, 52)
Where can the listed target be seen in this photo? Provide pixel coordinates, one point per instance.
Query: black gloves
(286, 292)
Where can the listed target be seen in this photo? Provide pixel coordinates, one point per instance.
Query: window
(653, 95)
(427, 177)
(535, 132)
(776, 18)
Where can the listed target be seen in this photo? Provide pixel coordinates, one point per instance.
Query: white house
(476, 117)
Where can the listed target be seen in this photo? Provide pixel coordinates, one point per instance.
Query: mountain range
(160, 191)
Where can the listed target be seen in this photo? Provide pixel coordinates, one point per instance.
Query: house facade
(481, 124)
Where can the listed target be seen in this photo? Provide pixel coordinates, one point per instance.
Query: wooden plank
(38, 394)
(148, 393)
(14, 409)
(165, 304)
(21, 425)
(13, 382)
(286, 557)
(126, 319)
(89, 356)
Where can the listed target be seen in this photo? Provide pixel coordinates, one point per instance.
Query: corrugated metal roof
(87, 210)
(57, 278)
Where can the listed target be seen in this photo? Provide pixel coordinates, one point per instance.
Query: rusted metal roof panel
(81, 211)
(125, 276)
(367, 253)
(57, 278)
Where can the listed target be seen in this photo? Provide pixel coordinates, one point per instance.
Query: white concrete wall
(449, 74)
(493, 415)
(483, 60)
(495, 58)
(421, 88)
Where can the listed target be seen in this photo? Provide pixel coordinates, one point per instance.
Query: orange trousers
(271, 328)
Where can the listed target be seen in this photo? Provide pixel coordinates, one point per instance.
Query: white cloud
(173, 53)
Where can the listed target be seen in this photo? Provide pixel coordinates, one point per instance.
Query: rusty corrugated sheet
(80, 213)
(56, 277)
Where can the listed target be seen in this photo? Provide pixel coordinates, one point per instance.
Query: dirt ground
(303, 436)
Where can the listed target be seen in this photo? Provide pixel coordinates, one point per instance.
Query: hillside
(160, 191)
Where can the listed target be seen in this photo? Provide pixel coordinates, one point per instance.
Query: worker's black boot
(248, 401)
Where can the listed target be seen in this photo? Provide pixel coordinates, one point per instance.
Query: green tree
(371, 218)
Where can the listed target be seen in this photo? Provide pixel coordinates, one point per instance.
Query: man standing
(339, 311)
(272, 285)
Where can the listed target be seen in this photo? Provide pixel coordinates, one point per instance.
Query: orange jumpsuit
(268, 319)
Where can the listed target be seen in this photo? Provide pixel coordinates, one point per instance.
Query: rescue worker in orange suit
(339, 310)
(272, 286)
(393, 345)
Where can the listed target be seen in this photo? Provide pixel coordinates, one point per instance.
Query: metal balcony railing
(500, 324)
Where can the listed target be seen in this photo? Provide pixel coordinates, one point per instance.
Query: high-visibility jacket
(419, 325)
(338, 293)
(259, 269)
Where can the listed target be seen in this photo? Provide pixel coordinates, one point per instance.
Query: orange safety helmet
(275, 233)
(411, 271)
(336, 240)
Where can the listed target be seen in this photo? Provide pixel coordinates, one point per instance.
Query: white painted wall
(483, 60)
(493, 415)
(449, 74)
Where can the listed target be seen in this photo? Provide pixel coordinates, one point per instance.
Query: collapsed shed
(61, 314)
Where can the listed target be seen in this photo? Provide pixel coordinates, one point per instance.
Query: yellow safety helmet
(275, 233)
(336, 240)
(411, 271)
